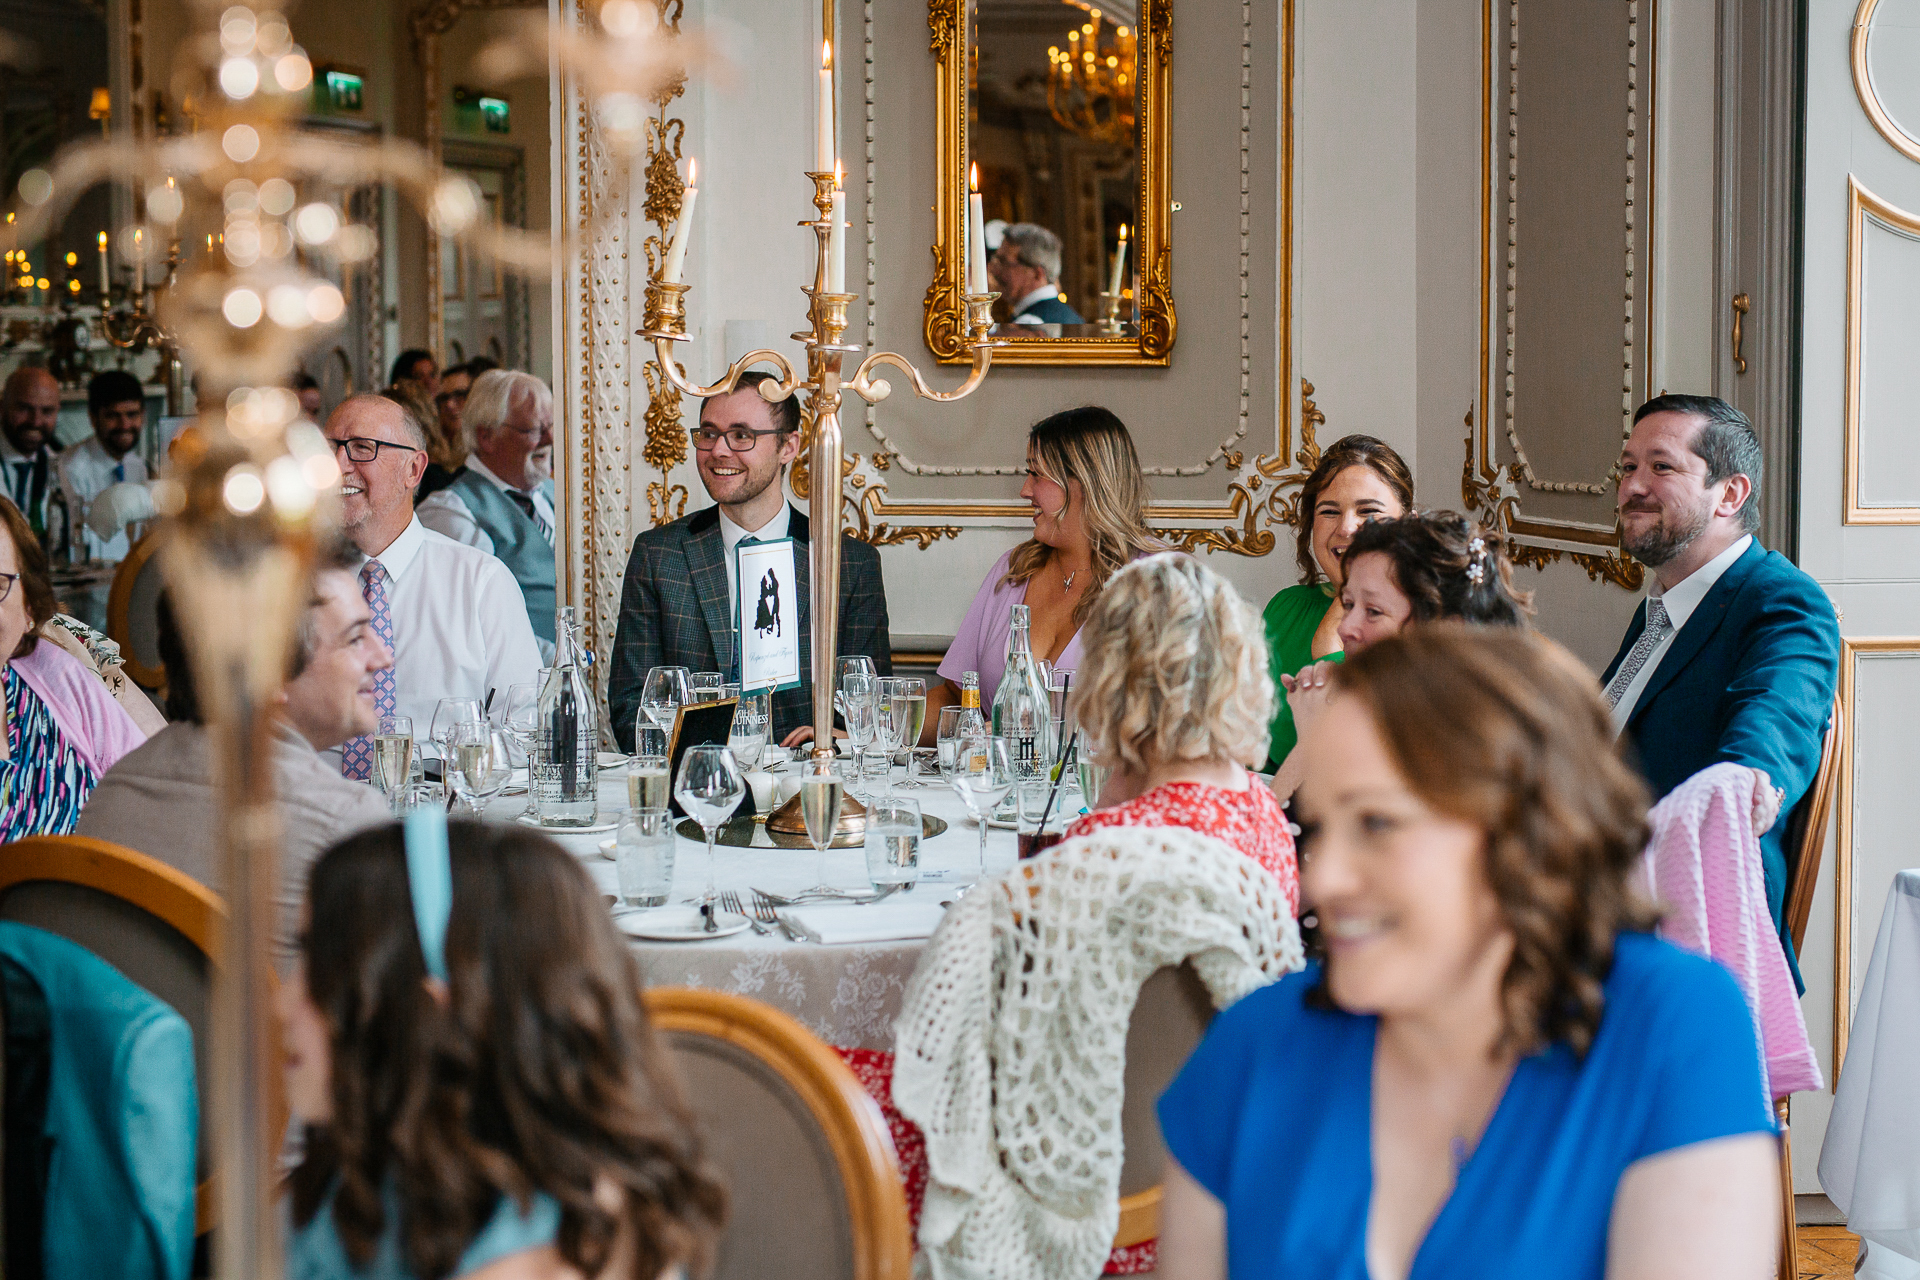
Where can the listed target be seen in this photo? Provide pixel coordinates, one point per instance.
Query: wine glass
(666, 691)
(748, 737)
(520, 717)
(857, 664)
(983, 774)
(709, 788)
(480, 760)
(860, 697)
(909, 700)
(822, 793)
(448, 715)
(944, 738)
(705, 686)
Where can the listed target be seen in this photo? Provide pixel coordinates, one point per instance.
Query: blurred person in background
(116, 405)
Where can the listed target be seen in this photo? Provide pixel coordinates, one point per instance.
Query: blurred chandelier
(1091, 84)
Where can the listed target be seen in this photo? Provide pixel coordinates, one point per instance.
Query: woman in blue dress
(1495, 1071)
(482, 1091)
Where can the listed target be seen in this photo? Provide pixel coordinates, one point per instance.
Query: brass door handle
(1741, 305)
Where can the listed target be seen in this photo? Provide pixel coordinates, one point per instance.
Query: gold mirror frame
(946, 317)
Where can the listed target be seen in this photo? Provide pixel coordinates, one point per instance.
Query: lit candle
(824, 149)
(1119, 262)
(139, 262)
(976, 236)
(677, 254)
(837, 239)
(106, 279)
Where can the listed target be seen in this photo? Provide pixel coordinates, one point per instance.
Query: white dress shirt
(460, 625)
(86, 470)
(733, 535)
(1681, 602)
(1019, 309)
(446, 512)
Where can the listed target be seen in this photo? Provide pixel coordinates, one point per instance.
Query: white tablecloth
(1870, 1162)
(847, 995)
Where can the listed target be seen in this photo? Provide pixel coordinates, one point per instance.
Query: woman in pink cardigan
(63, 729)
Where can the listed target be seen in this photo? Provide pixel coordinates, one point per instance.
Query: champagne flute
(861, 713)
(856, 664)
(709, 789)
(910, 716)
(392, 754)
(822, 793)
(666, 691)
(448, 715)
(480, 759)
(983, 774)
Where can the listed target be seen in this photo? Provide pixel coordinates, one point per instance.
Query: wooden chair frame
(854, 1128)
(160, 891)
(120, 602)
(1806, 837)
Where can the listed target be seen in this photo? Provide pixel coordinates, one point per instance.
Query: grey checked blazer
(673, 612)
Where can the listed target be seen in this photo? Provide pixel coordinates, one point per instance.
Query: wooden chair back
(154, 924)
(133, 613)
(810, 1167)
(1169, 1018)
(1805, 836)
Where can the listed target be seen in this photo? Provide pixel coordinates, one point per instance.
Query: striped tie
(356, 759)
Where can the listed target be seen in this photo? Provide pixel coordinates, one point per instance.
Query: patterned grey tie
(1658, 628)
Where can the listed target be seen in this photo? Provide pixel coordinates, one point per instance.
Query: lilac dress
(981, 643)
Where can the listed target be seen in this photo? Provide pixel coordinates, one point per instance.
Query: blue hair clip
(430, 882)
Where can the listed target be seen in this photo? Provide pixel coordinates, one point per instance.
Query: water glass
(855, 664)
(479, 762)
(1093, 778)
(706, 686)
(643, 852)
(647, 782)
(450, 714)
(418, 795)
(519, 715)
(667, 690)
(748, 737)
(709, 788)
(893, 841)
(983, 774)
(944, 738)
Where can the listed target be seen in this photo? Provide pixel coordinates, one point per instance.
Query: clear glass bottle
(972, 723)
(564, 763)
(1021, 712)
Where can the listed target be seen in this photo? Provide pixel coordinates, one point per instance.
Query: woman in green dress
(1358, 479)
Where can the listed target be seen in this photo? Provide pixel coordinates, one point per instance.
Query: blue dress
(314, 1252)
(1273, 1114)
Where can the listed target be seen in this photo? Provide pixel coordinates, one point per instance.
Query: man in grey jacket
(160, 798)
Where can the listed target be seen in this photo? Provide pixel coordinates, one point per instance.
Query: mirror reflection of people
(415, 365)
(678, 606)
(1494, 1068)
(1026, 271)
(116, 405)
(1357, 479)
(29, 413)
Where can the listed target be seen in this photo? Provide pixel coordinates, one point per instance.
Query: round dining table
(848, 994)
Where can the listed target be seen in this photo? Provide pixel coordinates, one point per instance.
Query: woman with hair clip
(1358, 479)
(1426, 566)
(483, 1094)
(1089, 518)
(1493, 1069)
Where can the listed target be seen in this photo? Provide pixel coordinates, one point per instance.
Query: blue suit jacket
(1749, 679)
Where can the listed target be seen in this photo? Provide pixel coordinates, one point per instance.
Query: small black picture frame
(696, 724)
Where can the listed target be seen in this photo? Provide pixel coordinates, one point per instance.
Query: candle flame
(1123, 233)
(103, 241)
(693, 172)
(973, 176)
(826, 55)
(839, 173)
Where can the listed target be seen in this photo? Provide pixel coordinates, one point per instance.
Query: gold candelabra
(666, 324)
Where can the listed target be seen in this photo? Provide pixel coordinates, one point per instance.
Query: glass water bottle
(1022, 713)
(564, 764)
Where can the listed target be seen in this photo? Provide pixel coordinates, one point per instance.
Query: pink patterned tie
(356, 758)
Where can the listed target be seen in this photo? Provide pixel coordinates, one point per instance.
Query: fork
(730, 901)
(764, 912)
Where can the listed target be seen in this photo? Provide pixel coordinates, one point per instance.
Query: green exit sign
(343, 89)
(496, 114)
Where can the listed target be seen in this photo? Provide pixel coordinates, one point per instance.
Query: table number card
(768, 623)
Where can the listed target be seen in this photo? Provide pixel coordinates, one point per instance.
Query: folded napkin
(850, 922)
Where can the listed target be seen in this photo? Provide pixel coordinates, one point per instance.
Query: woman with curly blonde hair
(1495, 1069)
(1174, 697)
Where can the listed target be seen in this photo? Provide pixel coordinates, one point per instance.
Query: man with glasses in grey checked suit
(677, 607)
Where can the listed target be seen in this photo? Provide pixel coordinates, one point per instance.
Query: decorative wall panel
(1883, 381)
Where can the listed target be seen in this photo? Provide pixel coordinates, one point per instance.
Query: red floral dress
(1250, 820)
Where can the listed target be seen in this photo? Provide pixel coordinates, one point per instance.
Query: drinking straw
(1066, 763)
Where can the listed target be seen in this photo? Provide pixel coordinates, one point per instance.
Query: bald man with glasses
(677, 606)
(453, 615)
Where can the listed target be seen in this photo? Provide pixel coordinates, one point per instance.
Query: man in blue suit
(1734, 654)
(1026, 271)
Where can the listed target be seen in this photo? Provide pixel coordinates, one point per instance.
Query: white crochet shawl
(1012, 1042)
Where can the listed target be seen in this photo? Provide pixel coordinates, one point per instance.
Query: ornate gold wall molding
(666, 436)
(1889, 128)
(1861, 205)
(1499, 509)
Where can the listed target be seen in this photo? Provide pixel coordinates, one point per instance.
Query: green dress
(1291, 617)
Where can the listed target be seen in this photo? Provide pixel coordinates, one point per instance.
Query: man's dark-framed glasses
(739, 439)
(366, 448)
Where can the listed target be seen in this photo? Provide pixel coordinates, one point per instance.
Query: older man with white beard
(452, 614)
(502, 502)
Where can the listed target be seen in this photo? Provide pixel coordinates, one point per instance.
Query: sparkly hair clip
(1477, 565)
